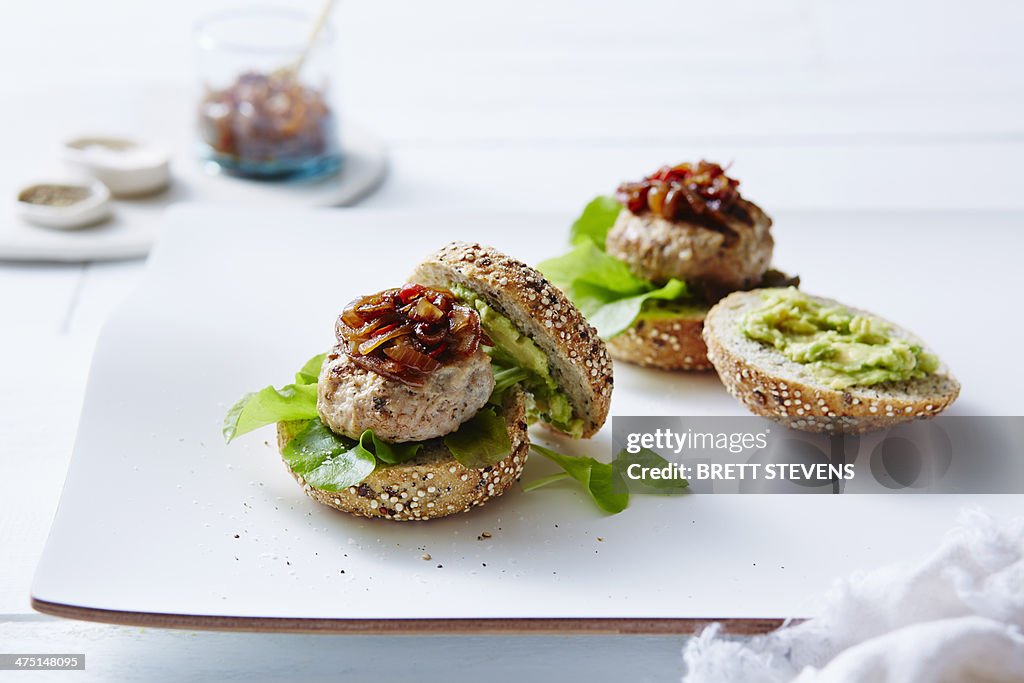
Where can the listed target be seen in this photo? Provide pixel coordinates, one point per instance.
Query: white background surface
(913, 105)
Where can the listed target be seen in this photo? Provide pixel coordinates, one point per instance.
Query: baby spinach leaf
(647, 458)
(326, 460)
(599, 479)
(312, 444)
(480, 441)
(388, 453)
(544, 481)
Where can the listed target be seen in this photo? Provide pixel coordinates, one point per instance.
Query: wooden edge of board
(501, 627)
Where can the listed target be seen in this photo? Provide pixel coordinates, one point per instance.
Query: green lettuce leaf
(588, 263)
(310, 372)
(270, 405)
(326, 460)
(597, 219)
(612, 314)
(605, 290)
(601, 480)
(480, 441)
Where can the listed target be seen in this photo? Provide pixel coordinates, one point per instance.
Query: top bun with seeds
(577, 359)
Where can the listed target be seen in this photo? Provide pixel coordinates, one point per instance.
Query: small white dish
(137, 224)
(129, 168)
(64, 204)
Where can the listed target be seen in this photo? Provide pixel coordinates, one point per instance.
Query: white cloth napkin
(957, 616)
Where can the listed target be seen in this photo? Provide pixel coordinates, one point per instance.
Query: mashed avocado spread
(842, 348)
(512, 349)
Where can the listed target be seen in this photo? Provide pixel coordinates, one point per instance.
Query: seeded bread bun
(665, 343)
(431, 485)
(577, 358)
(676, 342)
(771, 385)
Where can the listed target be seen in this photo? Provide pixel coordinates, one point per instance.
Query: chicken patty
(351, 399)
(713, 259)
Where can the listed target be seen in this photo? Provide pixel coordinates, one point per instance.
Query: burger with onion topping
(649, 263)
(421, 408)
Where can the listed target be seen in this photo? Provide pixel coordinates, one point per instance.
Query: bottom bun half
(432, 484)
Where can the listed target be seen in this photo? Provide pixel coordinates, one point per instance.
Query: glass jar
(261, 113)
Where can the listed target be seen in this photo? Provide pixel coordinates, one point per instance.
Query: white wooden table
(532, 105)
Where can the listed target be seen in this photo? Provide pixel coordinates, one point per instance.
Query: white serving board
(237, 299)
